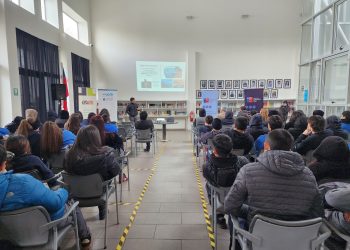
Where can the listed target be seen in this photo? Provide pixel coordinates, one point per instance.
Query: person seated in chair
(240, 139)
(144, 124)
(207, 126)
(331, 160)
(278, 185)
(345, 121)
(217, 126)
(312, 137)
(24, 161)
(334, 124)
(21, 190)
(273, 122)
(222, 167)
(88, 156)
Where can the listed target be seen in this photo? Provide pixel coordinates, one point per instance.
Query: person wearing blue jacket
(22, 190)
(345, 121)
(4, 131)
(273, 122)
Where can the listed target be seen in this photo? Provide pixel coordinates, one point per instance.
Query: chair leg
(106, 219)
(55, 240)
(216, 224)
(127, 165)
(116, 199)
(77, 240)
(121, 183)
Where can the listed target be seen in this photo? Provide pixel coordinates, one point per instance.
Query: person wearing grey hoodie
(278, 185)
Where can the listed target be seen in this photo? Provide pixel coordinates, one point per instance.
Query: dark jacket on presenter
(132, 110)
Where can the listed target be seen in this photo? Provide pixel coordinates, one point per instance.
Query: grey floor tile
(179, 232)
(158, 218)
(142, 232)
(138, 244)
(183, 207)
(193, 218)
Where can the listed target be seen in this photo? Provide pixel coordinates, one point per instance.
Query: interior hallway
(170, 216)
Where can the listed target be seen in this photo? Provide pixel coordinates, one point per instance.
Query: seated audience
(88, 156)
(297, 124)
(200, 120)
(264, 112)
(332, 160)
(29, 128)
(253, 112)
(240, 139)
(73, 123)
(222, 113)
(210, 135)
(21, 190)
(62, 119)
(144, 124)
(228, 120)
(52, 116)
(318, 112)
(243, 111)
(54, 140)
(12, 126)
(4, 131)
(110, 127)
(86, 122)
(345, 119)
(274, 122)
(221, 168)
(295, 115)
(273, 112)
(24, 161)
(278, 185)
(207, 126)
(256, 127)
(312, 137)
(334, 124)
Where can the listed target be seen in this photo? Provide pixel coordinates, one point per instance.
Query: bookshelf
(159, 109)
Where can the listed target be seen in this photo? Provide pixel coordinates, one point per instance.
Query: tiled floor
(170, 216)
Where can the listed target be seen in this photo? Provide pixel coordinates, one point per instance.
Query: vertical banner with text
(254, 99)
(107, 99)
(210, 102)
(87, 101)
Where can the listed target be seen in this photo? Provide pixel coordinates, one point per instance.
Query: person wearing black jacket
(24, 161)
(240, 139)
(334, 124)
(256, 127)
(332, 160)
(298, 127)
(222, 168)
(312, 137)
(88, 156)
(132, 110)
(144, 124)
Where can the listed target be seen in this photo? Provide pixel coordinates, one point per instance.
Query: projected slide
(161, 76)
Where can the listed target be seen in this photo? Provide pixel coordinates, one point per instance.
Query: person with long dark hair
(89, 156)
(73, 123)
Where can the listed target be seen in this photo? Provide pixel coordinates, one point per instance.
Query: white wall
(218, 42)
(16, 17)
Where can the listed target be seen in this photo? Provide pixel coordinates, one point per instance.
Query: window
(49, 12)
(70, 26)
(306, 42)
(321, 4)
(74, 25)
(322, 43)
(303, 94)
(315, 81)
(336, 80)
(343, 26)
(25, 4)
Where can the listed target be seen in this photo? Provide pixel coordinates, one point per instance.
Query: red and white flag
(65, 82)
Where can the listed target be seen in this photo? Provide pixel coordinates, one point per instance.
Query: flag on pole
(65, 82)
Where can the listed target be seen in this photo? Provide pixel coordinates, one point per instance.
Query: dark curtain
(38, 69)
(81, 76)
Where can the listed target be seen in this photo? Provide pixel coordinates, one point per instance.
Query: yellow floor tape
(138, 203)
(204, 205)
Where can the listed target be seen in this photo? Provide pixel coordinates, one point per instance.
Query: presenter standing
(132, 110)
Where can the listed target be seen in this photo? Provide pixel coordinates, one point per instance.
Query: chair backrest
(122, 132)
(84, 187)
(55, 162)
(309, 157)
(34, 173)
(287, 235)
(22, 227)
(143, 134)
(238, 152)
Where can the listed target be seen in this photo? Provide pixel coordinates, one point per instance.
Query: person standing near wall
(132, 110)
